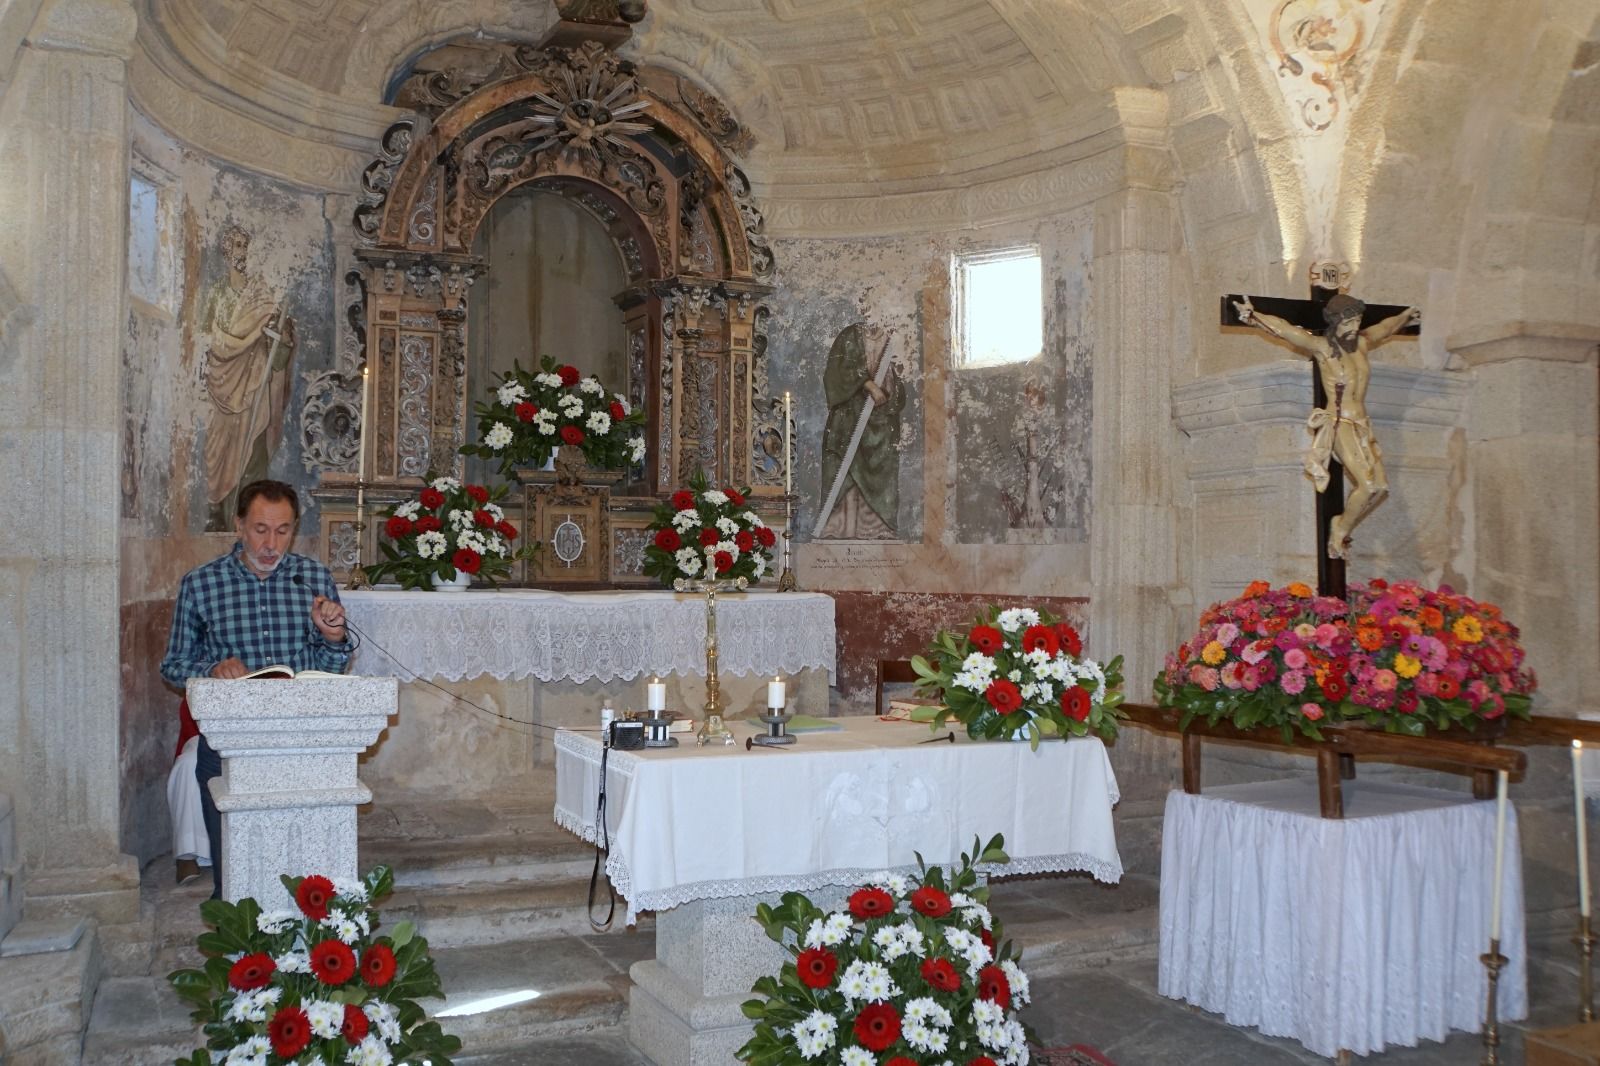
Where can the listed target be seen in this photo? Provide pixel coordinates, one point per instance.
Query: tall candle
(366, 391)
(1499, 853)
(1583, 828)
(788, 418)
(775, 693)
(656, 695)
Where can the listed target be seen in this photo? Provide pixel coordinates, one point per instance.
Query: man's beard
(264, 568)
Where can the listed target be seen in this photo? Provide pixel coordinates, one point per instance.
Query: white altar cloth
(581, 636)
(711, 822)
(1343, 934)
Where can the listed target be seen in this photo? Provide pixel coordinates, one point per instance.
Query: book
(280, 671)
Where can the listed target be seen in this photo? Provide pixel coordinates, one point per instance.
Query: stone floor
(499, 893)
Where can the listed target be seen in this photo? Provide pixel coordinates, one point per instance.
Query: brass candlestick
(1585, 940)
(786, 579)
(358, 576)
(712, 728)
(1493, 962)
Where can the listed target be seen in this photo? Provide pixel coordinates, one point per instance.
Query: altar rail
(1340, 745)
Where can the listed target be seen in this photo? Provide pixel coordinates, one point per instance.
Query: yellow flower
(1299, 590)
(1213, 653)
(1406, 666)
(1468, 629)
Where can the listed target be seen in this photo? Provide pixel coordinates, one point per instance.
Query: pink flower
(1195, 673)
(1294, 659)
(1326, 636)
(1251, 678)
(1227, 633)
(1433, 653)
(1494, 706)
(1385, 680)
(1427, 683)
(1311, 711)
(1255, 651)
(1294, 682)
(1457, 668)
(1365, 672)
(1477, 692)
(1208, 678)
(1287, 640)
(1382, 701)
(1306, 632)
(1231, 674)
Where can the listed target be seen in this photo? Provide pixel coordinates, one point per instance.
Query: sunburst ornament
(590, 109)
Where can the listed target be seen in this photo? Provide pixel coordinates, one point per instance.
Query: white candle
(788, 480)
(1583, 828)
(1499, 853)
(656, 695)
(775, 693)
(361, 463)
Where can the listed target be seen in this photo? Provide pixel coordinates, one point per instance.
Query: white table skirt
(580, 636)
(692, 823)
(1355, 933)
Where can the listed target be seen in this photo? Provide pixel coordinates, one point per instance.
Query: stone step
(44, 999)
(139, 1021)
(490, 912)
(1067, 923)
(551, 856)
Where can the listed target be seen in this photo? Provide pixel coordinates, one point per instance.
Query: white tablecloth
(1356, 933)
(700, 823)
(578, 636)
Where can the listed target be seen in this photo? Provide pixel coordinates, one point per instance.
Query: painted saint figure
(1342, 428)
(869, 500)
(251, 345)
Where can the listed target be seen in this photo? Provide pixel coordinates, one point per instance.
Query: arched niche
(652, 158)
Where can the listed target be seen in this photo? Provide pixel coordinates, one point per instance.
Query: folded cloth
(189, 840)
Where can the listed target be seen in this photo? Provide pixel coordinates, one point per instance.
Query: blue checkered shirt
(225, 611)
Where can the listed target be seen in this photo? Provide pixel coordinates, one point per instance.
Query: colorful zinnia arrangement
(1400, 656)
(449, 527)
(915, 970)
(313, 985)
(534, 413)
(707, 533)
(1019, 674)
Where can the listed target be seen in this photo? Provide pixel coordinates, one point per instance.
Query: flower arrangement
(1399, 656)
(910, 973)
(535, 413)
(1020, 674)
(313, 986)
(708, 532)
(448, 528)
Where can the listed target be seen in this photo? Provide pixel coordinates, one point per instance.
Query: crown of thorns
(1341, 307)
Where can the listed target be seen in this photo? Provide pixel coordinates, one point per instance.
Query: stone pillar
(288, 791)
(63, 195)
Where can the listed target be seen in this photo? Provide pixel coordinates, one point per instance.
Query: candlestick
(361, 462)
(788, 417)
(655, 695)
(1493, 961)
(775, 692)
(1499, 853)
(1583, 828)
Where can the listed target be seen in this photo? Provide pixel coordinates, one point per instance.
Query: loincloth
(1324, 429)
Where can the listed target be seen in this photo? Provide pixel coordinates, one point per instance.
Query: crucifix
(1335, 331)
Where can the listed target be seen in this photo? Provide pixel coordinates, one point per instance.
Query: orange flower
(1432, 617)
(1275, 624)
(1366, 620)
(1299, 590)
(1369, 637)
(1256, 588)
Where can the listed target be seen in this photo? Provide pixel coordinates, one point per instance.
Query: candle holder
(1493, 961)
(712, 728)
(358, 574)
(777, 729)
(786, 579)
(657, 727)
(1585, 941)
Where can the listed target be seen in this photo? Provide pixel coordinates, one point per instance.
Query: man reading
(259, 605)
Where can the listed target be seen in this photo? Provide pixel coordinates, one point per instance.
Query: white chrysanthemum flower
(760, 567)
(460, 517)
(499, 436)
(355, 890)
(987, 1012)
(977, 914)
(724, 546)
(510, 394)
(815, 1034)
(370, 1052)
(494, 510)
(253, 1052)
(446, 484)
(835, 928)
(753, 519)
(977, 671)
(690, 565)
(293, 962)
(598, 422)
(627, 408)
(637, 445)
(569, 402)
(714, 496)
(275, 922)
(473, 539)
(1015, 618)
(431, 545)
(324, 1016)
(728, 526)
(342, 927)
(592, 386)
(549, 381)
(1020, 995)
(685, 556)
(409, 509)
(544, 425)
(685, 520)
(856, 1056)
(384, 1017)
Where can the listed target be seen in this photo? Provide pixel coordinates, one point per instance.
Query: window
(999, 307)
(150, 245)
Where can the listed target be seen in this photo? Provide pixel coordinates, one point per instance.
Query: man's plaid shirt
(225, 611)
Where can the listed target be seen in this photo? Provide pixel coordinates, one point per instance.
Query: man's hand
(879, 395)
(328, 616)
(229, 669)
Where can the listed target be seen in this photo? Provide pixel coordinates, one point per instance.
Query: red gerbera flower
(507, 530)
(479, 493)
(816, 966)
(735, 497)
(940, 974)
(987, 639)
(987, 938)
(877, 1027)
(484, 518)
(572, 435)
(744, 540)
(431, 498)
(668, 540)
(313, 896)
(683, 500)
(377, 965)
(569, 375)
(290, 1032)
(1041, 638)
(992, 985)
(429, 523)
(981, 1060)
(617, 413)
(466, 560)
(900, 1060)
(723, 562)
(526, 412)
(930, 901)
(871, 903)
(397, 526)
(1075, 704)
(355, 1026)
(709, 537)
(333, 963)
(765, 535)
(1070, 641)
(251, 972)
(1003, 695)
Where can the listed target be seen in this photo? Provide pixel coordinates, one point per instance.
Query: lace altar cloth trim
(587, 636)
(713, 823)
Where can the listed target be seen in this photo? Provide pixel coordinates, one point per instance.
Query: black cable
(602, 845)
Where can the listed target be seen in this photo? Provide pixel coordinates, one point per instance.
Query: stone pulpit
(288, 791)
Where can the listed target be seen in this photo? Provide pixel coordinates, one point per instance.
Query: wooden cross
(1307, 314)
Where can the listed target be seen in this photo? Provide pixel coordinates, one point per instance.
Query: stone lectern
(288, 790)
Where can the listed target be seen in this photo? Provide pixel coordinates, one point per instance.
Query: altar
(525, 662)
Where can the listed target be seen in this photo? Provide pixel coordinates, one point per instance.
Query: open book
(280, 671)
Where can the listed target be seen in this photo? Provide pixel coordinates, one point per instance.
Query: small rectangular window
(999, 307)
(151, 245)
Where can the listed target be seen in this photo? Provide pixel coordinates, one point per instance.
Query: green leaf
(402, 935)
